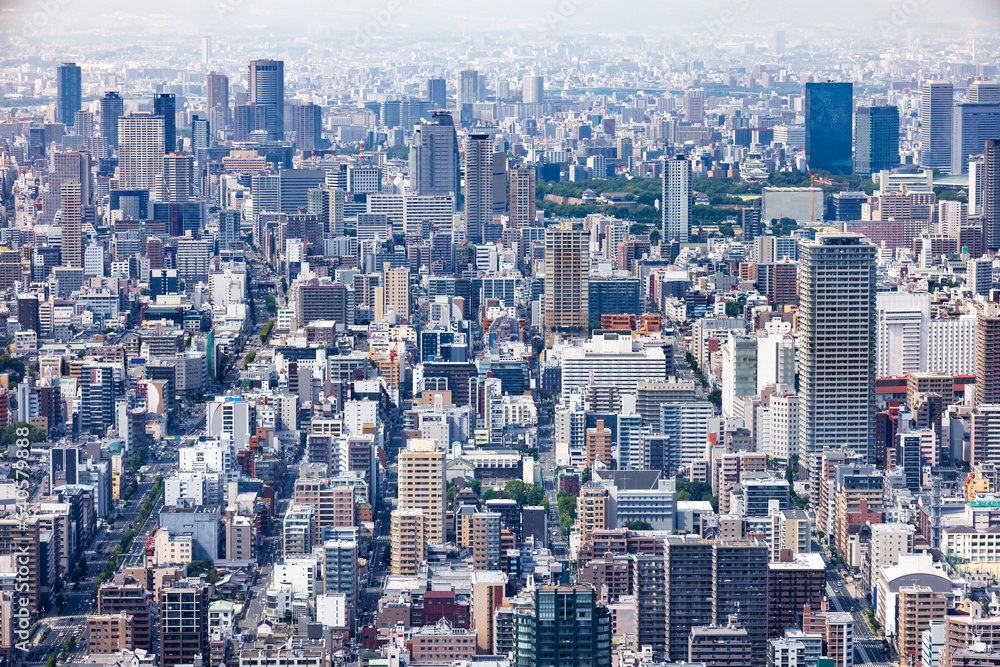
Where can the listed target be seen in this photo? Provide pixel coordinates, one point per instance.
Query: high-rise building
(829, 108)
(741, 578)
(694, 106)
(127, 594)
(183, 622)
(690, 590)
(984, 92)
(200, 139)
(676, 200)
(991, 194)
(140, 151)
(434, 160)
(877, 140)
(72, 223)
(266, 81)
(566, 274)
(83, 124)
(165, 104)
(178, 176)
(340, 573)
(308, 126)
(437, 92)
(836, 349)
(422, 485)
(112, 106)
(68, 93)
(972, 126)
(206, 50)
(328, 204)
(409, 540)
(469, 87)
(988, 355)
(478, 186)
(71, 166)
(533, 89)
(217, 94)
(936, 119)
(522, 196)
(565, 627)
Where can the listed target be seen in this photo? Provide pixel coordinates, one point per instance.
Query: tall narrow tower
(267, 89)
(478, 185)
(566, 273)
(68, 93)
(937, 100)
(676, 203)
(836, 349)
(72, 215)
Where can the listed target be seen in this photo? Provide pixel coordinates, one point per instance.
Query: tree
(251, 355)
(734, 309)
(715, 398)
(284, 285)
(270, 304)
(638, 525)
(490, 494)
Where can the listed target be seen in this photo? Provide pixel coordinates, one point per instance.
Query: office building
(478, 186)
(676, 200)
(266, 82)
(434, 160)
(877, 142)
(567, 263)
(991, 195)
(836, 349)
(340, 573)
(165, 104)
(469, 88)
(178, 177)
(565, 627)
(714, 645)
(936, 120)
(694, 106)
(437, 93)
(829, 108)
(308, 127)
(68, 93)
(972, 126)
(741, 578)
(140, 151)
(112, 107)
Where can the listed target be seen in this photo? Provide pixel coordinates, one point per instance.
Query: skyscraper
(877, 139)
(779, 42)
(437, 93)
(178, 175)
(200, 139)
(478, 186)
(829, 110)
(988, 355)
(72, 215)
(972, 126)
(836, 349)
(267, 89)
(566, 271)
(165, 104)
(468, 87)
(68, 93)
(937, 99)
(206, 50)
(112, 107)
(991, 194)
(140, 151)
(217, 94)
(308, 126)
(522, 196)
(984, 92)
(434, 156)
(740, 578)
(694, 106)
(676, 200)
(533, 89)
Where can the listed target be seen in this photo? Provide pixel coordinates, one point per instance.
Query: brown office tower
(183, 623)
(567, 263)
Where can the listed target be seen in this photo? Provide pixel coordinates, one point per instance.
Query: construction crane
(812, 193)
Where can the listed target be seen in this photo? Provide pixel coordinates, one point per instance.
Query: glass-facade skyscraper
(68, 92)
(877, 139)
(165, 104)
(267, 90)
(829, 121)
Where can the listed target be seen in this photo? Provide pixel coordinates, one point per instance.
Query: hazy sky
(654, 18)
